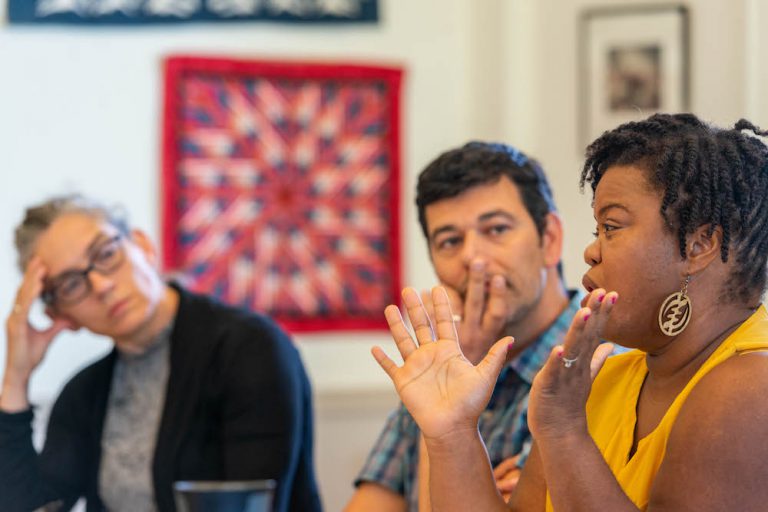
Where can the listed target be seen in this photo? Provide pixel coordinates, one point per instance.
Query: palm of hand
(475, 341)
(441, 388)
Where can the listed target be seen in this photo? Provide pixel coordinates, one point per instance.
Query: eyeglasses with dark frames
(72, 286)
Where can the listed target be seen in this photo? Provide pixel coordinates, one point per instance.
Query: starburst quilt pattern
(281, 188)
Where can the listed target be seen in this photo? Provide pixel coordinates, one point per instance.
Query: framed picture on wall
(281, 187)
(634, 61)
(142, 12)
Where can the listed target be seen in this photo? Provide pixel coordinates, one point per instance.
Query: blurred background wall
(80, 110)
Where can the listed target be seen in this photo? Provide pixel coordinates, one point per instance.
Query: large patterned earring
(675, 312)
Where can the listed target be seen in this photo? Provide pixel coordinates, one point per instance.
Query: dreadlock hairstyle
(708, 176)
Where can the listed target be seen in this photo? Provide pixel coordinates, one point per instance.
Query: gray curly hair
(39, 217)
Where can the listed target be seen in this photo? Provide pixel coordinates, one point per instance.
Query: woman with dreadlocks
(677, 271)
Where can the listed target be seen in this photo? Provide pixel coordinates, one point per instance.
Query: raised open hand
(560, 390)
(441, 389)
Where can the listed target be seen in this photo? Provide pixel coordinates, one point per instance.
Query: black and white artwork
(633, 62)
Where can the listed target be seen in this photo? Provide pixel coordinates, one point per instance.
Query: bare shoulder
(716, 455)
(733, 390)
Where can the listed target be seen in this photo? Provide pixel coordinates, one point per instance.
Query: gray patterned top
(132, 420)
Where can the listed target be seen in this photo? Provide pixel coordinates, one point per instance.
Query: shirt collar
(530, 360)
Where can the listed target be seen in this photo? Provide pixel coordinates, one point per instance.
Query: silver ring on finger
(569, 362)
(456, 318)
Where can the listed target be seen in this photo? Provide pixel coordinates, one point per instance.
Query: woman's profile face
(122, 289)
(635, 254)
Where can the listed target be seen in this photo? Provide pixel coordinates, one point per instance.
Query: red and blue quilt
(281, 187)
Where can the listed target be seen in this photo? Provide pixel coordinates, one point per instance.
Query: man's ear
(703, 247)
(552, 239)
(143, 242)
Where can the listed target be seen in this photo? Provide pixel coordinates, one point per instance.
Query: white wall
(757, 60)
(80, 110)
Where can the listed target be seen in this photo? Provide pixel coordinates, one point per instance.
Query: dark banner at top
(121, 12)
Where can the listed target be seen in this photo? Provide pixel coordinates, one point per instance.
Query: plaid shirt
(503, 425)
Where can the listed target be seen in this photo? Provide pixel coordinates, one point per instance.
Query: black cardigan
(238, 407)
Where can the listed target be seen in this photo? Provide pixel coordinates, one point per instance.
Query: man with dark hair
(495, 240)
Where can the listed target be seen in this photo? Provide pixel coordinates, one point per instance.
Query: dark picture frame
(633, 61)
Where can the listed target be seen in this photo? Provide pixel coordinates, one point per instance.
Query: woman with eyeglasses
(677, 272)
(193, 390)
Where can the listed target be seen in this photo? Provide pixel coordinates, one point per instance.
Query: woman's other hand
(557, 404)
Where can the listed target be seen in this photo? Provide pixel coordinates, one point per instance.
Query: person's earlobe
(704, 245)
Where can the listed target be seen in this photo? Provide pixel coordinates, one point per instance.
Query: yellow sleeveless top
(613, 400)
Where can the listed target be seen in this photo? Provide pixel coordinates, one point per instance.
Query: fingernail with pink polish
(613, 299)
(586, 317)
(600, 297)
